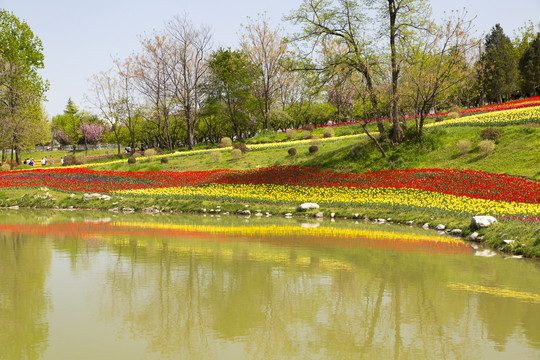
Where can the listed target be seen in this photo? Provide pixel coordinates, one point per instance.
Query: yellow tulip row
(276, 256)
(340, 196)
(257, 231)
(503, 117)
(524, 296)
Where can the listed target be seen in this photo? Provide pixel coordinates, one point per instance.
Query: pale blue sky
(80, 38)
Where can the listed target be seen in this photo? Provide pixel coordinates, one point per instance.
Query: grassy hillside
(517, 152)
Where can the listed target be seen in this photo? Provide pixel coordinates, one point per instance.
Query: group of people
(43, 161)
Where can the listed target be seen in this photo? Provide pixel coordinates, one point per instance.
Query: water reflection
(24, 264)
(190, 287)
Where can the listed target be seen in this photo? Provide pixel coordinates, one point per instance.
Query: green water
(104, 286)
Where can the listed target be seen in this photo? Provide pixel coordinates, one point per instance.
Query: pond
(90, 285)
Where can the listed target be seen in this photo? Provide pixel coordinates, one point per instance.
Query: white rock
(409, 222)
(508, 242)
(320, 214)
(473, 236)
(482, 221)
(309, 225)
(425, 226)
(381, 220)
(258, 214)
(105, 197)
(440, 227)
(485, 253)
(307, 206)
(288, 215)
(332, 215)
(87, 197)
(455, 232)
(356, 216)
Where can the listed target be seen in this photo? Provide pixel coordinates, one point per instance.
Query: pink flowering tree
(91, 133)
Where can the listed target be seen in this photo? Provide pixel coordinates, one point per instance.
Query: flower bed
(432, 190)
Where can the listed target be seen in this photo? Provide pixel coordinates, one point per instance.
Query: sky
(81, 38)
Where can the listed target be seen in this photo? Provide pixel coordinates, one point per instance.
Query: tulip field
(446, 191)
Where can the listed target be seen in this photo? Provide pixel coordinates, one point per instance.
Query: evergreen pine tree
(529, 67)
(499, 69)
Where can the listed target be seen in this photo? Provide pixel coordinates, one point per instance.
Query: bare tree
(106, 98)
(151, 75)
(442, 60)
(266, 49)
(187, 69)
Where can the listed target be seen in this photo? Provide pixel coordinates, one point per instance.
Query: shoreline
(486, 237)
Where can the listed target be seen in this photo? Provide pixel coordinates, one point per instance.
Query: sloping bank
(415, 197)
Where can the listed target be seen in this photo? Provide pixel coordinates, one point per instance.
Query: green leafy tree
(498, 72)
(66, 126)
(21, 87)
(529, 67)
(230, 84)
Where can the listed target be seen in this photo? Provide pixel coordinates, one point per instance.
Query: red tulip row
(470, 183)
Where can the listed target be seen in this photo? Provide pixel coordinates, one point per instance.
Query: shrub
(292, 151)
(226, 142)
(486, 146)
(150, 152)
(159, 151)
(132, 160)
(208, 147)
(307, 127)
(80, 161)
(5, 167)
(455, 108)
(216, 156)
(490, 134)
(136, 155)
(439, 118)
(328, 132)
(236, 154)
(452, 115)
(69, 160)
(164, 160)
(241, 146)
(12, 164)
(313, 149)
(291, 134)
(464, 146)
(306, 134)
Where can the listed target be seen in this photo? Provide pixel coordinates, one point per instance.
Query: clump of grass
(486, 146)
(225, 142)
(292, 151)
(328, 132)
(306, 134)
(313, 149)
(132, 160)
(164, 160)
(236, 154)
(291, 134)
(452, 115)
(150, 152)
(216, 156)
(464, 146)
